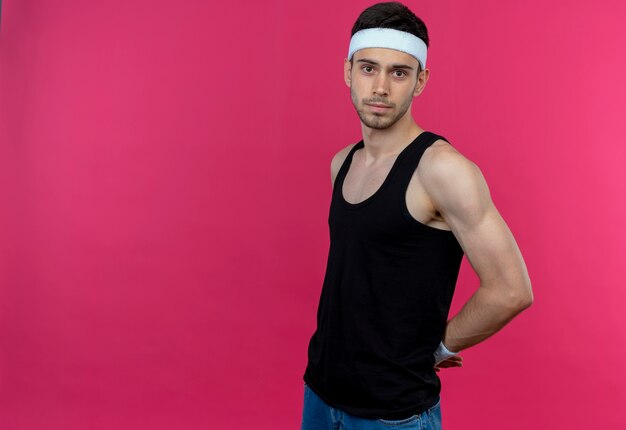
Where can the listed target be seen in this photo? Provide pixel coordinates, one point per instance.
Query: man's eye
(368, 69)
(402, 73)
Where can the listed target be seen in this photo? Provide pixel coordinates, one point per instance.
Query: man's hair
(391, 15)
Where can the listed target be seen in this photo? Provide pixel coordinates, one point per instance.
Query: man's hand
(455, 361)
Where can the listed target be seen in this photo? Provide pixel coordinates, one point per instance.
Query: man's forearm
(485, 313)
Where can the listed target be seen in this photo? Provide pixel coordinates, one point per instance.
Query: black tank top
(385, 299)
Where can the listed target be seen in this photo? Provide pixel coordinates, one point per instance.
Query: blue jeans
(318, 415)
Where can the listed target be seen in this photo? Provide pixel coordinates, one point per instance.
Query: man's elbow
(525, 303)
(523, 298)
(511, 296)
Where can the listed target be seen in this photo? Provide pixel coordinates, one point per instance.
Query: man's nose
(381, 84)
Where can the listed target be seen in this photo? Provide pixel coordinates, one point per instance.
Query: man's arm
(460, 194)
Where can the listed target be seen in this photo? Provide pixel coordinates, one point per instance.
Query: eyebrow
(393, 66)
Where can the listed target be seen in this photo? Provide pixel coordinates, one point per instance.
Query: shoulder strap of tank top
(410, 162)
(343, 170)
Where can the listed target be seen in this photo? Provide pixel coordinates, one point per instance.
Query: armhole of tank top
(408, 173)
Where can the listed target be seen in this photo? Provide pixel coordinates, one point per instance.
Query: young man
(406, 206)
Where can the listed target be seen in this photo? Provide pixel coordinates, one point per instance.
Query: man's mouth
(378, 107)
(381, 105)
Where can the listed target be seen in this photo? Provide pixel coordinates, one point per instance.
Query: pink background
(164, 192)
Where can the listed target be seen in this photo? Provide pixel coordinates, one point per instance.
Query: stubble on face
(375, 120)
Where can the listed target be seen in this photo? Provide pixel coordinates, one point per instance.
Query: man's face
(383, 77)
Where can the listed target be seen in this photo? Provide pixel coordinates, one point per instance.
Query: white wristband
(442, 353)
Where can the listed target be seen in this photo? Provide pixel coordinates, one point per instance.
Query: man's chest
(362, 182)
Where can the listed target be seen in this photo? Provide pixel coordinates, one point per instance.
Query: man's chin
(377, 126)
(377, 123)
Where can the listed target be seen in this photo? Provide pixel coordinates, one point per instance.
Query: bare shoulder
(447, 174)
(338, 160)
(441, 155)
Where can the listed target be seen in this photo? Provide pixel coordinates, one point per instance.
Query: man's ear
(347, 72)
(422, 80)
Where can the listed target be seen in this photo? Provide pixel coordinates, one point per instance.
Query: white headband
(389, 38)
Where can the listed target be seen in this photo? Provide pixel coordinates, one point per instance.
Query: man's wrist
(442, 353)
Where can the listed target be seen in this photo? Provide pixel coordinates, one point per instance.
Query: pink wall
(165, 191)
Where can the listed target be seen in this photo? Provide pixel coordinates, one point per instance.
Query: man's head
(389, 76)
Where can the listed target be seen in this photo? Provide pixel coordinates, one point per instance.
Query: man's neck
(380, 144)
